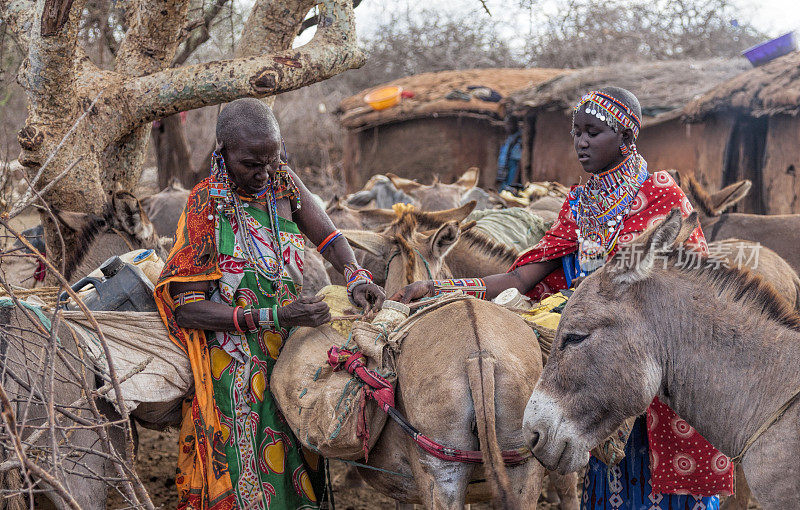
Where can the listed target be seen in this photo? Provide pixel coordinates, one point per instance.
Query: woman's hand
(369, 297)
(311, 312)
(416, 290)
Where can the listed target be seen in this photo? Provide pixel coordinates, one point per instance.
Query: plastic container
(123, 287)
(511, 298)
(762, 53)
(384, 97)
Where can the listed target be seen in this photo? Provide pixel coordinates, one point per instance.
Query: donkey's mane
(489, 247)
(744, 286)
(700, 194)
(485, 244)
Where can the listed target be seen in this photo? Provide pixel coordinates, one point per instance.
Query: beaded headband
(611, 111)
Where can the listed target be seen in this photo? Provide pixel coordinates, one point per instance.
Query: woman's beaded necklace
(602, 205)
(232, 205)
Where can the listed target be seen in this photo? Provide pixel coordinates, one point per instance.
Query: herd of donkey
(747, 319)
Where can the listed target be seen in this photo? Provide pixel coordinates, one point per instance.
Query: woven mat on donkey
(516, 227)
(139, 345)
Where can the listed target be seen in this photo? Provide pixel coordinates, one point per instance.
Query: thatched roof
(663, 88)
(429, 90)
(766, 90)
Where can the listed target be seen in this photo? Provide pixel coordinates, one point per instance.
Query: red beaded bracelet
(236, 320)
(248, 318)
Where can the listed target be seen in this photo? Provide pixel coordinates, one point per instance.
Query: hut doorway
(744, 159)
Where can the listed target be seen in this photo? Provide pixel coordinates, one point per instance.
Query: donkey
(122, 227)
(24, 378)
(464, 367)
(779, 232)
(648, 306)
(437, 196)
(165, 208)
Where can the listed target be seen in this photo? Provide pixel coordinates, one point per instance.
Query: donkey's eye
(573, 338)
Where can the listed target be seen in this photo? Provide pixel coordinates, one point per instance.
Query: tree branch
(153, 37)
(313, 20)
(18, 15)
(272, 26)
(333, 50)
(200, 34)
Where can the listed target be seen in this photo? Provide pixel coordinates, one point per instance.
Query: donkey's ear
(729, 196)
(470, 178)
(129, 216)
(78, 221)
(443, 240)
(439, 217)
(636, 261)
(370, 242)
(361, 198)
(403, 184)
(377, 217)
(690, 223)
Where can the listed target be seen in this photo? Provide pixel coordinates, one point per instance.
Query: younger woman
(668, 466)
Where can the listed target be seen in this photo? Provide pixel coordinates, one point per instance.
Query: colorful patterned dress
(666, 460)
(236, 449)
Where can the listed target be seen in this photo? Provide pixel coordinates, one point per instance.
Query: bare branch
(153, 37)
(313, 20)
(55, 16)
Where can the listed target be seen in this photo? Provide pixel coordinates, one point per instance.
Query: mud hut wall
(552, 157)
(713, 136)
(424, 148)
(780, 186)
(670, 144)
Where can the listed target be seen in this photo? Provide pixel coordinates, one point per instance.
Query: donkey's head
(707, 204)
(123, 227)
(603, 366)
(438, 196)
(410, 250)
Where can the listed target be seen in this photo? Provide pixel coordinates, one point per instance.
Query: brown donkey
(738, 344)
(464, 368)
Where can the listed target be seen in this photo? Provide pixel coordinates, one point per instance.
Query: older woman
(229, 295)
(668, 465)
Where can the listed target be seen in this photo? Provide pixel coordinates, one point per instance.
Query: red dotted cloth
(681, 460)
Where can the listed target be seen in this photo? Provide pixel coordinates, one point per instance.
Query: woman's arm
(205, 314)
(523, 278)
(317, 226)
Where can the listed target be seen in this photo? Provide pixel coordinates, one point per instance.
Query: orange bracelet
(235, 320)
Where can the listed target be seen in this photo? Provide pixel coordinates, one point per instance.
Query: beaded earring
(624, 149)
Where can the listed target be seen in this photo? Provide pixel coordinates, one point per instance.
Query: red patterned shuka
(682, 461)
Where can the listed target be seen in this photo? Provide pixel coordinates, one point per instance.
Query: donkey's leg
(442, 484)
(741, 496)
(526, 482)
(567, 489)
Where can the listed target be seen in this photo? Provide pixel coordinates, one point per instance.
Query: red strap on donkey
(383, 393)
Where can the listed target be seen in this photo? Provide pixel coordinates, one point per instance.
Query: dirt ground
(158, 456)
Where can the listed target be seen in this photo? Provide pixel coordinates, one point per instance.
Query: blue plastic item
(762, 53)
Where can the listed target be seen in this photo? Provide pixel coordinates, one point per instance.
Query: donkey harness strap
(383, 393)
(767, 424)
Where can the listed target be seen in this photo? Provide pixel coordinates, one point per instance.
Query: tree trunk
(108, 139)
(173, 158)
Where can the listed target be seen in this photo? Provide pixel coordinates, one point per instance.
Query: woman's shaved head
(246, 118)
